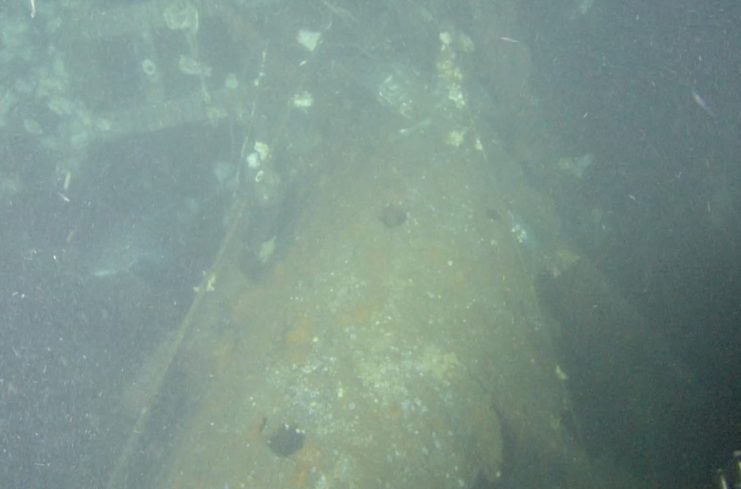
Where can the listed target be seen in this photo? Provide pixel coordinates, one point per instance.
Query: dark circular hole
(286, 440)
(393, 215)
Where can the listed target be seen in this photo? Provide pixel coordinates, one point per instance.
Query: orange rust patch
(436, 256)
(308, 462)
(460, 276)
(393, 414)
(360, 314)
(222, 355)
(301, 332)
(298, 340)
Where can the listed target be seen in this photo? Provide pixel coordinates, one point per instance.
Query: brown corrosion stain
(298, 340)
(308, 462)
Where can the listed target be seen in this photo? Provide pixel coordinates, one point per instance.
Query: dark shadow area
(631, 394)
(650, 90)
(93, 284)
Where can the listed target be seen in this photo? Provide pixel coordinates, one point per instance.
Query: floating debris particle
(308, 39)
(303, 100)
